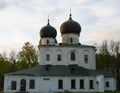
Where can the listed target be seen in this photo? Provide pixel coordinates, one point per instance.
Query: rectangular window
(73, 84)
(91, 84)
(47, 57)
(81, 84)
(59, 57)
(13, 85)
(71, 40)
(47, 41)
(86, 58)
(60, 84)
(107, 84)
(32, 84)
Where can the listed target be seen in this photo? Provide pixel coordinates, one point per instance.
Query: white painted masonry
(42, 85)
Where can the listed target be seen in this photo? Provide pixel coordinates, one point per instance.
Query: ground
(87, 92)
(92, 92)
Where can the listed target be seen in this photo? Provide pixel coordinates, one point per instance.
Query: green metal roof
(106, 73)
(58, 70)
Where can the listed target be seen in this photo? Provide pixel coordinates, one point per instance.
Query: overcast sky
(21, 20)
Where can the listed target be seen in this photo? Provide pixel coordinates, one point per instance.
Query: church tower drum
(70, 31)
(48, 35)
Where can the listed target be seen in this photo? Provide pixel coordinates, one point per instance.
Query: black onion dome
(48, 31)
(70, 26)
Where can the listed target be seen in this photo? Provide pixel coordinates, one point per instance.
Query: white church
(66, 66)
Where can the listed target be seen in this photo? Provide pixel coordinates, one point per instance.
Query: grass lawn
(92, 92)
(100, 92)
(85, 92)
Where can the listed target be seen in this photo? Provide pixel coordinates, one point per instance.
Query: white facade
(65, 52)
(50, 84)
(110, 84)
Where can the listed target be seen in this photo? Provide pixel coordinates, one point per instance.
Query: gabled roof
(58, 70)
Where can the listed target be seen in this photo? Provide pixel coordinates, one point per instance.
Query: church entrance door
(23, 85)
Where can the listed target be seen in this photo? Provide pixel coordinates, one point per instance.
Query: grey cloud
(3, 4)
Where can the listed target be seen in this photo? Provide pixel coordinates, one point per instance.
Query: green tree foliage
(28, 56)
(108, 58)
(5, 67)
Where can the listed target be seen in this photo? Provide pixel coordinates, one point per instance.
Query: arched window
(86, 58)
(23, 85)
(71, 40)
(59, 57)
(72, 56)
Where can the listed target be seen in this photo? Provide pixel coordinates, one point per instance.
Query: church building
(65, 66)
